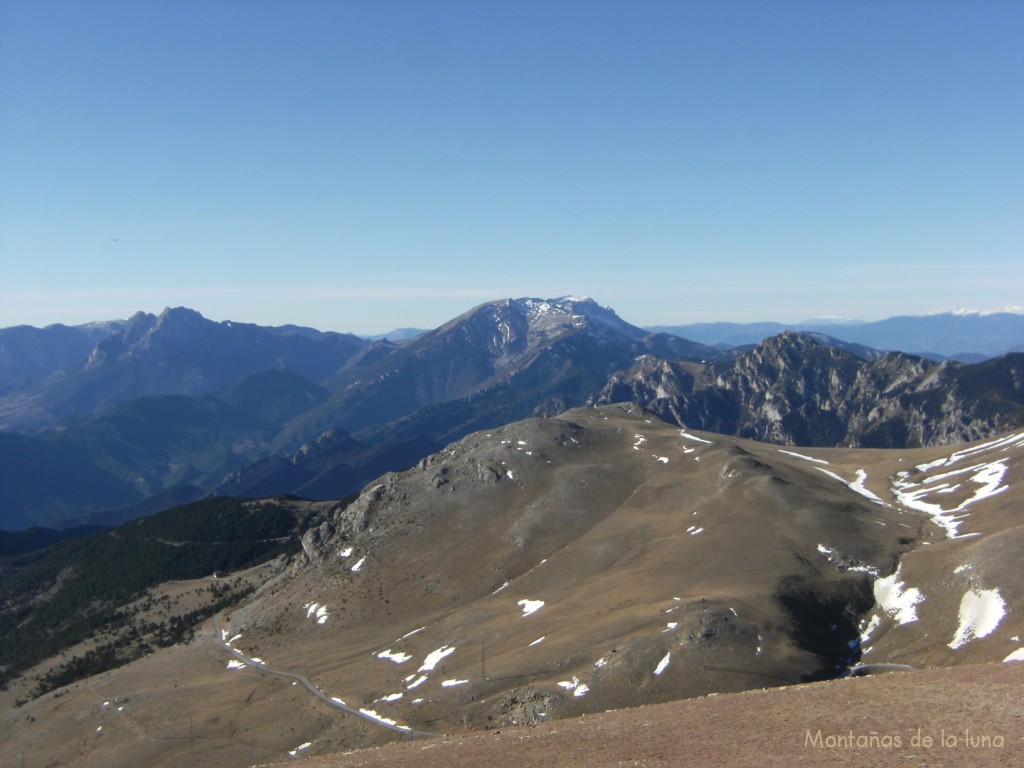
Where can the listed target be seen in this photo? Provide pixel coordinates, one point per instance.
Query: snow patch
(578, 689)
(530, 606)
(805, 458)
(868, 627)
(380, 718)
(855, 485)
(987, 476)
(453, 683)
(663, 664)
(896, 600)
(981, 610)
(434, 658)
(416, 683)
(317, 612)
(396, 656)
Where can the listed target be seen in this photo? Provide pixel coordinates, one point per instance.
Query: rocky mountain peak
(181, 320)
(509, 327)
(572, 311)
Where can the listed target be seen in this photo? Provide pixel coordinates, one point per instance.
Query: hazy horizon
(1018, 310)
(369, 166)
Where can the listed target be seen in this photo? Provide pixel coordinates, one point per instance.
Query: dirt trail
(218, 636)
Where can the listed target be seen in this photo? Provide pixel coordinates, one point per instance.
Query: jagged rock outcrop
(795, 389)
(349, 521)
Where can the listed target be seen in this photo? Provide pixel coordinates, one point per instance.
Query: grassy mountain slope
(565, 565)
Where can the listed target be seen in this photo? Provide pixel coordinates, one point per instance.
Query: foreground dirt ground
(963, 716)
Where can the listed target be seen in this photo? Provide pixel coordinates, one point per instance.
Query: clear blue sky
(361, 166)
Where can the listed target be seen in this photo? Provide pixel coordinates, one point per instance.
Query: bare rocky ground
(541, 573)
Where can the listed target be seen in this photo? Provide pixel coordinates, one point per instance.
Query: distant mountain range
(964, 336)
(176, 406)
(178, 352)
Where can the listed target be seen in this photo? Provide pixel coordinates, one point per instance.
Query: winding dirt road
(221, 639)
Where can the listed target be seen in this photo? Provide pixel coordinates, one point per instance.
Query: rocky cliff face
(794, 389)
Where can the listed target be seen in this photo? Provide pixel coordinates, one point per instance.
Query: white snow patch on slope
(396, 656)
(1014, 440)
(434, 658)
(357, 566)
(538, 641)
(868, 628)
(988, 476)
(453, 683)
(981, 610)
(805, 458)
(317, 611)
(688, 436)
(235, 664)
(855, 485)
(896, 600)
(381, 719)
(578, 689)
(530, 606)
(1017, 655)
(416, 683)
(663, 664)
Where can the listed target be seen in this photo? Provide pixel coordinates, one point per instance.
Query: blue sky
(361, 166)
